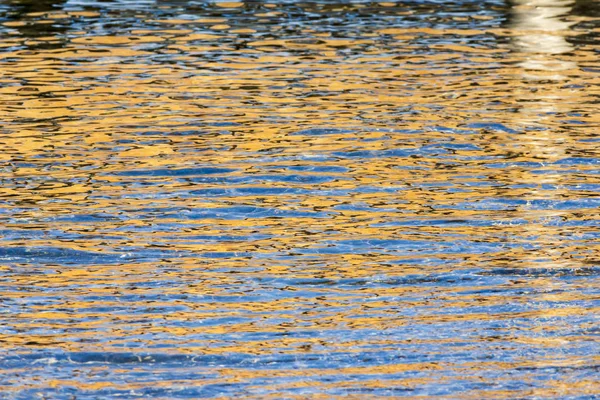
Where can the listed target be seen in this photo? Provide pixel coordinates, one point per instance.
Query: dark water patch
(239, 212)
(322, 131)
(309, 168)
(545, 272)
(66, 256)
(404, 152)
(225, 255)
(445, 129)
(417, 247)
(176, 172)
(452, 222)
(75, 218)
(504, 165)
(51, 255)
(223, 238)
(492, 126)
(550, 369)
(530, 204)
(578, 161)
(411, 280)
(251, 179)
(248, 191)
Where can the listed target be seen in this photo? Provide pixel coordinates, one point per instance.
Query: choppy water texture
(299, 200)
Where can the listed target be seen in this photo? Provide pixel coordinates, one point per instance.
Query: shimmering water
(299, 199)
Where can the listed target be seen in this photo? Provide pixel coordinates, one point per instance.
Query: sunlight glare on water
(299, 199)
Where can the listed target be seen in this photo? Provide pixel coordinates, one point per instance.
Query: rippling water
(299, 199)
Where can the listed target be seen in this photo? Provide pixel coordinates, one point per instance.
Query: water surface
(299, 199)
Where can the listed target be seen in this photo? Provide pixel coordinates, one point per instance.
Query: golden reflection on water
(217, 201)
